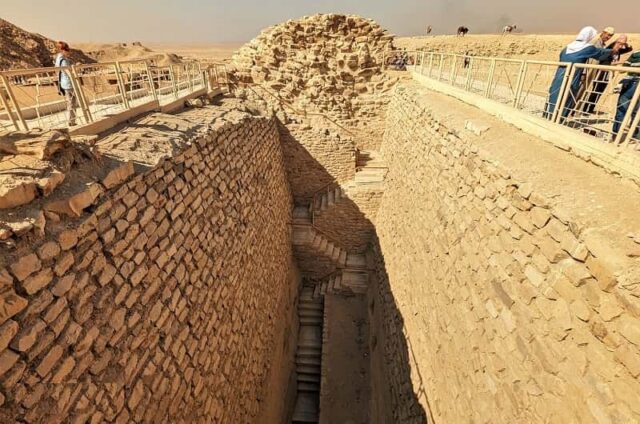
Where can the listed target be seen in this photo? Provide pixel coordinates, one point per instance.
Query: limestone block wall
(314, 158)
(351, 219)
(511, 310)
(168, 302)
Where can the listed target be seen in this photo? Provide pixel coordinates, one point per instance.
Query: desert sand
(517, 46)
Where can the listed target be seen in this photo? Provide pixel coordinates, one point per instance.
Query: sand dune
(127, 51)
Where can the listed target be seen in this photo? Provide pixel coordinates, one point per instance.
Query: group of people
(400, 60)
(586, 88)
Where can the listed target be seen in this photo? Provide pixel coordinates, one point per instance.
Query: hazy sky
(241, 20)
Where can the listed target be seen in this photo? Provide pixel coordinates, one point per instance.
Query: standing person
(601, 78)
(429, 29)
(628, 89)
(578, 51)
(65, 88)
(603, 38)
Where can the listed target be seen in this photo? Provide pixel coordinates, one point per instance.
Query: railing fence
(29, 98)
(600, 101)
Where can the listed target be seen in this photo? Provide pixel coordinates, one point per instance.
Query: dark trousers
(629, 87)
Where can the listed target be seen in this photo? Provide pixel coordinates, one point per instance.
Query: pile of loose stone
(323, 63)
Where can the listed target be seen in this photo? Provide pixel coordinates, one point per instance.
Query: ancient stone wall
(324, 64)
(515, 306)
(314, 158)
(169, 301)
(351, 219)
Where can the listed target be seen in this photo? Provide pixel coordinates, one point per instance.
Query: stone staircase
(305, 235)
(370, 173)
(309, 357)
(344, 282)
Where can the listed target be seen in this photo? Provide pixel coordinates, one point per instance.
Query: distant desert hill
(127, 51)
(23, 49)
(517, 46)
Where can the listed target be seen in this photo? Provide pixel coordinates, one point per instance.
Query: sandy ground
(538, 47)
(213, 52)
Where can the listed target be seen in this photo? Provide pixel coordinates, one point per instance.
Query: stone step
(306, 409)
(336, 254)
(309, 313)
(355, 278)
(310, 305)
(314, 362)
(301, 235)
(342, 259)
(304, 352)
(308, 387)
(312, 321)
(308, 378)
(356, 261)
(308, 370)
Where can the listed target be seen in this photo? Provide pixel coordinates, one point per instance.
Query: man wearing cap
(629, 85)
(603, 38)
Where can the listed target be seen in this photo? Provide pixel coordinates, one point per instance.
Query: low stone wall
(169, 301)
(518, 294)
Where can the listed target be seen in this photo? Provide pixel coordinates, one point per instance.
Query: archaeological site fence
(596, 100)
(29, 98)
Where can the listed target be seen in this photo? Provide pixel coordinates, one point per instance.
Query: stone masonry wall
(351, 219)
(165, 303)
(513, 311)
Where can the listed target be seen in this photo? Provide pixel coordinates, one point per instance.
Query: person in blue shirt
(65, 87)
(629, 85)
(579, 51)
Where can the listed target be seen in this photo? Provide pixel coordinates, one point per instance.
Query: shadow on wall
(393, 399)
(397, 393)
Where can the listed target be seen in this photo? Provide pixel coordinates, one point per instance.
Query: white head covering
(583, 40)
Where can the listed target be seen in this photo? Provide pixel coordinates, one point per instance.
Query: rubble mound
(22, 49)
(327, 64)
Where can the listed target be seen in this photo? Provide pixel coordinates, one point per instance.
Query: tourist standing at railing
(65, 87)
(600, 80)
(629, 85)
(579, 51)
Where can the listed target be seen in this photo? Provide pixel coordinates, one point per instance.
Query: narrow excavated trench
(332, 359)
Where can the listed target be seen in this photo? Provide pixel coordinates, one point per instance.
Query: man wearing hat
(601, 40)
(629, 85)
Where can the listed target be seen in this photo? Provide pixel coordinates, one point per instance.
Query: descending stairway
(370, 173)
(305, 235)
(308, 357)
(346, 282)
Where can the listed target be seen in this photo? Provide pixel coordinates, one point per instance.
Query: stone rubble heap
(326, 64)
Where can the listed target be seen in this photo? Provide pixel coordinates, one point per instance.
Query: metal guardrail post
(5, 104)
(203, 79)
(627, 118)
(635, 124)
(440, 67)
(77, 87)
(565, 90)
(520, 83)
(14, 102)
(125, 98)
(430, 63)
(173, 81)
(152, 84)
(492, 70)
(422, 64)
(467, 85)
(453, 76)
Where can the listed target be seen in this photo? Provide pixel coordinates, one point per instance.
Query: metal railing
(30, 98)
(597, 100)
